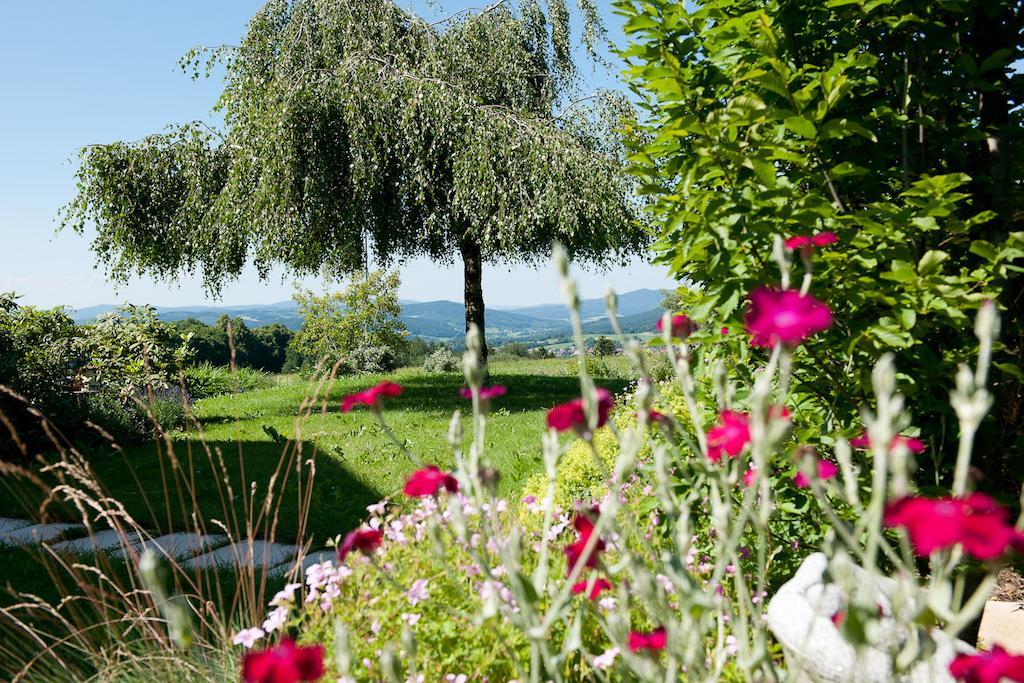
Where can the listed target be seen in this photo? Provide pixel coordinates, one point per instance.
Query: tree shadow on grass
(221, 483)
(440, 393)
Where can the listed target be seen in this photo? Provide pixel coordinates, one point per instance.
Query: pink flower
(910, 443)
(654, 417)
(730, 436)
(654, 641)
(976, 522)
(285, 663)
(682, 327)
(784, 316)
(575, 553)
(749, 476)
(600, 585)
(988, 667)
(371, 397)
(571, 416)
(361, 540)
(725, 330)
(429, 481)
(486, 393)
(822, 239)
(826, 470)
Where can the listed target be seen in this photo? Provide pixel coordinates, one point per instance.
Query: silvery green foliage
(442, 360)
(716, 616)
(357, 123)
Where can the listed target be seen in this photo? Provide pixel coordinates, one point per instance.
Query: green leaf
(931, 261)
(802, 127)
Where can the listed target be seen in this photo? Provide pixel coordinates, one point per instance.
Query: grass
(356, 463)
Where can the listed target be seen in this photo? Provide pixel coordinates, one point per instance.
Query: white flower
(377, 509)
(606, 604)
(666, 584)
(452, 678)
(410, 619)
(285, 595)
(731, 645)
(418, 592)
(275, 619)
(248, 637)
(375, 627)
(605, 660)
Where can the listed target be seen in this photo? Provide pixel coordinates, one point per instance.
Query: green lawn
(356, 463)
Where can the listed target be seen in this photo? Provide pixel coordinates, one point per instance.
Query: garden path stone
(264, 554)
(101, 541)
(1002, 623)
(8, 524)
(183, 544)
(37, 533)
(307, 562)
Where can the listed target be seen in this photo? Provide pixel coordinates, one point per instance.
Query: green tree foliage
(604, 346)
(263, 348)
(359, 327)
(350, 124)
(131, 352)
(893, 123)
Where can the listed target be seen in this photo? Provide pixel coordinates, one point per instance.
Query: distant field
(356, 463)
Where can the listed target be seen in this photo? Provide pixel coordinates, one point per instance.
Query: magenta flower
(486, 393)
(988, 667)
(284, 663)
(826, 470)
(976, 522)
(913, 445)
(821, 239)
(576, 553)
(655, 417)
(682, 327)
(730, 436)
(784, 316)
(429, 481)
(654, 641)
(361, 540)
(725, 330)
(571, 416)
(371, 397)
(600, 585)
(749, 477)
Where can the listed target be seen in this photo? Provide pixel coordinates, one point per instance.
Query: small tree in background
(605, 346)
(356, 123)
(359, 326)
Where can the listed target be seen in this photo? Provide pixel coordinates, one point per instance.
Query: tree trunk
(472, 263)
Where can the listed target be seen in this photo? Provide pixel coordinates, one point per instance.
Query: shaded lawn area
(356, 463)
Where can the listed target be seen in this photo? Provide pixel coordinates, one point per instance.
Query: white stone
(263, 554)
(101, 541)
(180, 545)
(36, 533)
(800, 617)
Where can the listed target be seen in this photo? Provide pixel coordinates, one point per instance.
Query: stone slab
(308, 561)
(264, 554)
(1002, 623)
(179, 545)
(101, 541)
(37, 533)
(9, 524)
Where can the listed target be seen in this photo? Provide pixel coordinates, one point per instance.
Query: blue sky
(78, 73)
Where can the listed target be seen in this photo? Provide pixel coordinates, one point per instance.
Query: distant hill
(438, 320)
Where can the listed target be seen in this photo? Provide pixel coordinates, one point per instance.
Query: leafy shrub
(597, 366)
(131, 419)
(372, 359)
(792, 120)
(605, 347)
(442, 360)
(213, 380)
